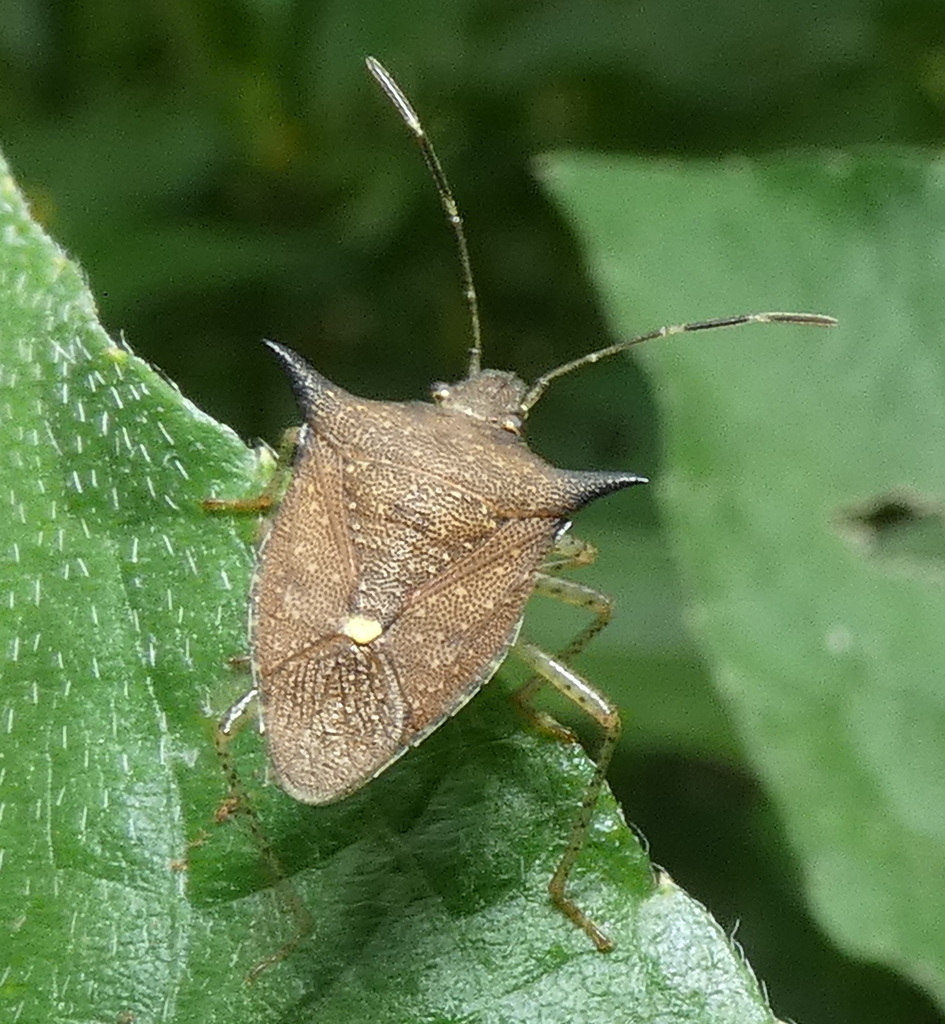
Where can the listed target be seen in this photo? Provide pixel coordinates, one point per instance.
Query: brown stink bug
(392, 579)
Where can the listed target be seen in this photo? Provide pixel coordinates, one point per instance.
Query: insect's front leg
(568, 552)
(272, 492)
(578, 595)
(580, 692)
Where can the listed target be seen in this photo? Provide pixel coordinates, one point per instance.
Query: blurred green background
(227, 171)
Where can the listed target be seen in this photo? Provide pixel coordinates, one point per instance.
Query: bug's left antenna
(396, 95)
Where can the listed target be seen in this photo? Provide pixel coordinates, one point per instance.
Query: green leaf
(804, 486)
(124, 897)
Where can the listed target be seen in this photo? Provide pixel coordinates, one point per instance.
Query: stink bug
(392, 579)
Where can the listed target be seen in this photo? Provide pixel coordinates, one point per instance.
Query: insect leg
(272, 492)
(237, 802)
(578, 690)
(579, 596)
(226, 727)
(568, 552)
(234, 714)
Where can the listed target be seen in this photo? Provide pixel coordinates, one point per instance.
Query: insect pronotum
(392, 579)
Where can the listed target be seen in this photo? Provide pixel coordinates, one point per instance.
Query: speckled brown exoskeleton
(392, 579)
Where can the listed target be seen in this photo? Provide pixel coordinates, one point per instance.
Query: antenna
(396, 95)
(541, 384)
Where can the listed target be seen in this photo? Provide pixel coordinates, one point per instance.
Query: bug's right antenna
(396, 95)
(541, 385)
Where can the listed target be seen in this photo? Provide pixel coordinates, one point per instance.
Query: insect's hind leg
(226, 728)
(593, 703)
(237, 802)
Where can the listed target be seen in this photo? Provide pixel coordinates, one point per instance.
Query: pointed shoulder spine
(308, 385)
(588, 485)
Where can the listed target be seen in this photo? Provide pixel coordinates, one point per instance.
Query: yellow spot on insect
(361, 629)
